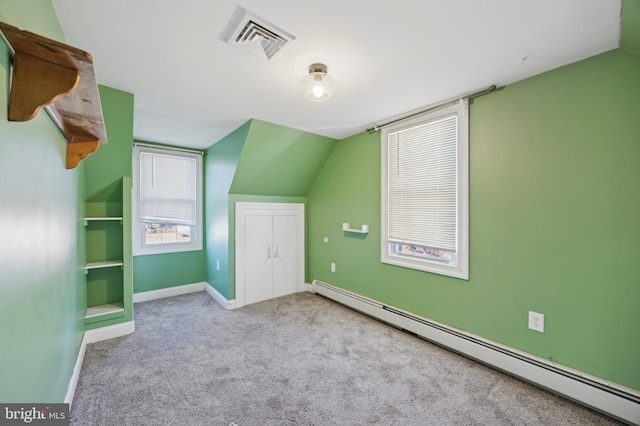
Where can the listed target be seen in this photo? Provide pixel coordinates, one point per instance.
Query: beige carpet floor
(295, 360)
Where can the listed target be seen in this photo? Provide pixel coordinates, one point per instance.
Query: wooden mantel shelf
(60, 78)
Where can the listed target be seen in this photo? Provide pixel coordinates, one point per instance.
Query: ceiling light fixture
(318, 86)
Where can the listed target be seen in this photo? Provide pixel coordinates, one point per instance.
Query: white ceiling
(387, 57)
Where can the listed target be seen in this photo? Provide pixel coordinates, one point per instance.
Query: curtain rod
(431, 108)
(168, 148)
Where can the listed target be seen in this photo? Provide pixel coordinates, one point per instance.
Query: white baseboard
(75, 375)
(610, 398)
(109, 332)
(92, 336)
(227, 304)
(231, 304)
(145, 296)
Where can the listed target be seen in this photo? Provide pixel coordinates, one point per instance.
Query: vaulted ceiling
(388, 58)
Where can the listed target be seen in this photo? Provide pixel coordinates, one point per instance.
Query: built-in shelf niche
(60, 78)
(104, 244)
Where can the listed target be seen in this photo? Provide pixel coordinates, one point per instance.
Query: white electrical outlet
(333, 267)
(536, 321)
(217, 265)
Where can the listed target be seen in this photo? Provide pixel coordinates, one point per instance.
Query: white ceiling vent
(254, 34)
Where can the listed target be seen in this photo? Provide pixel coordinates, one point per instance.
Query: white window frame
(461, 270)
(139, 247)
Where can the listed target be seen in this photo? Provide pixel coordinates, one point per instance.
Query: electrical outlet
(333, 267)
(536, 321)
(217, 265)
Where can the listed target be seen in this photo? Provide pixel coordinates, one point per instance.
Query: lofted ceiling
(387, 58)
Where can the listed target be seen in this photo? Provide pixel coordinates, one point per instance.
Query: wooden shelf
(60, 78)
(103, 264)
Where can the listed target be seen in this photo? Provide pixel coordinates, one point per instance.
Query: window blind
(422, 184)
(167, 189)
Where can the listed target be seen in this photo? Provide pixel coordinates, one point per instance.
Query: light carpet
(296, 360)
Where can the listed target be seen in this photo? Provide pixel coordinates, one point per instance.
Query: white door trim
(244, 209)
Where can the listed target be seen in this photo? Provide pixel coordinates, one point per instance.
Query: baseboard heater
(609, 398)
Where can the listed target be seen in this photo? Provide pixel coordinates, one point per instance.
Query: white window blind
(425, 192)
(422, 184)
(168, 189)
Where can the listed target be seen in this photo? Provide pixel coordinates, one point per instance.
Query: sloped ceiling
(387, 58)
(279, 160)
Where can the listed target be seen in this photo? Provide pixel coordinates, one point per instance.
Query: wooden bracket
(50, 74)
(79, 147)
(37, 83)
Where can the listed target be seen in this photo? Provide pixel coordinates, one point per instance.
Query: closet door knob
(276, 254)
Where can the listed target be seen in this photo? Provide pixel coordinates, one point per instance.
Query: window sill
(166, 249)
(435, 267)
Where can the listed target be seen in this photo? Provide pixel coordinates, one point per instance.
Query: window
(167, 200)
(425, 169)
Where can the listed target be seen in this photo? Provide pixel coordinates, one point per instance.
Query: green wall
(158, 271)
(221, 162)
(42, 292)
(630, 21)
(258, 162)
(554, 203)
(105, 168)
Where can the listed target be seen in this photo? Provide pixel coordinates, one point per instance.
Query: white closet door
(269, 251)
(259, 258)
(285, 256)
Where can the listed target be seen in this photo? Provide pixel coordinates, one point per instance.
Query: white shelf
(100, 310)
(101, 218)
(103, 264)
(347, 228)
